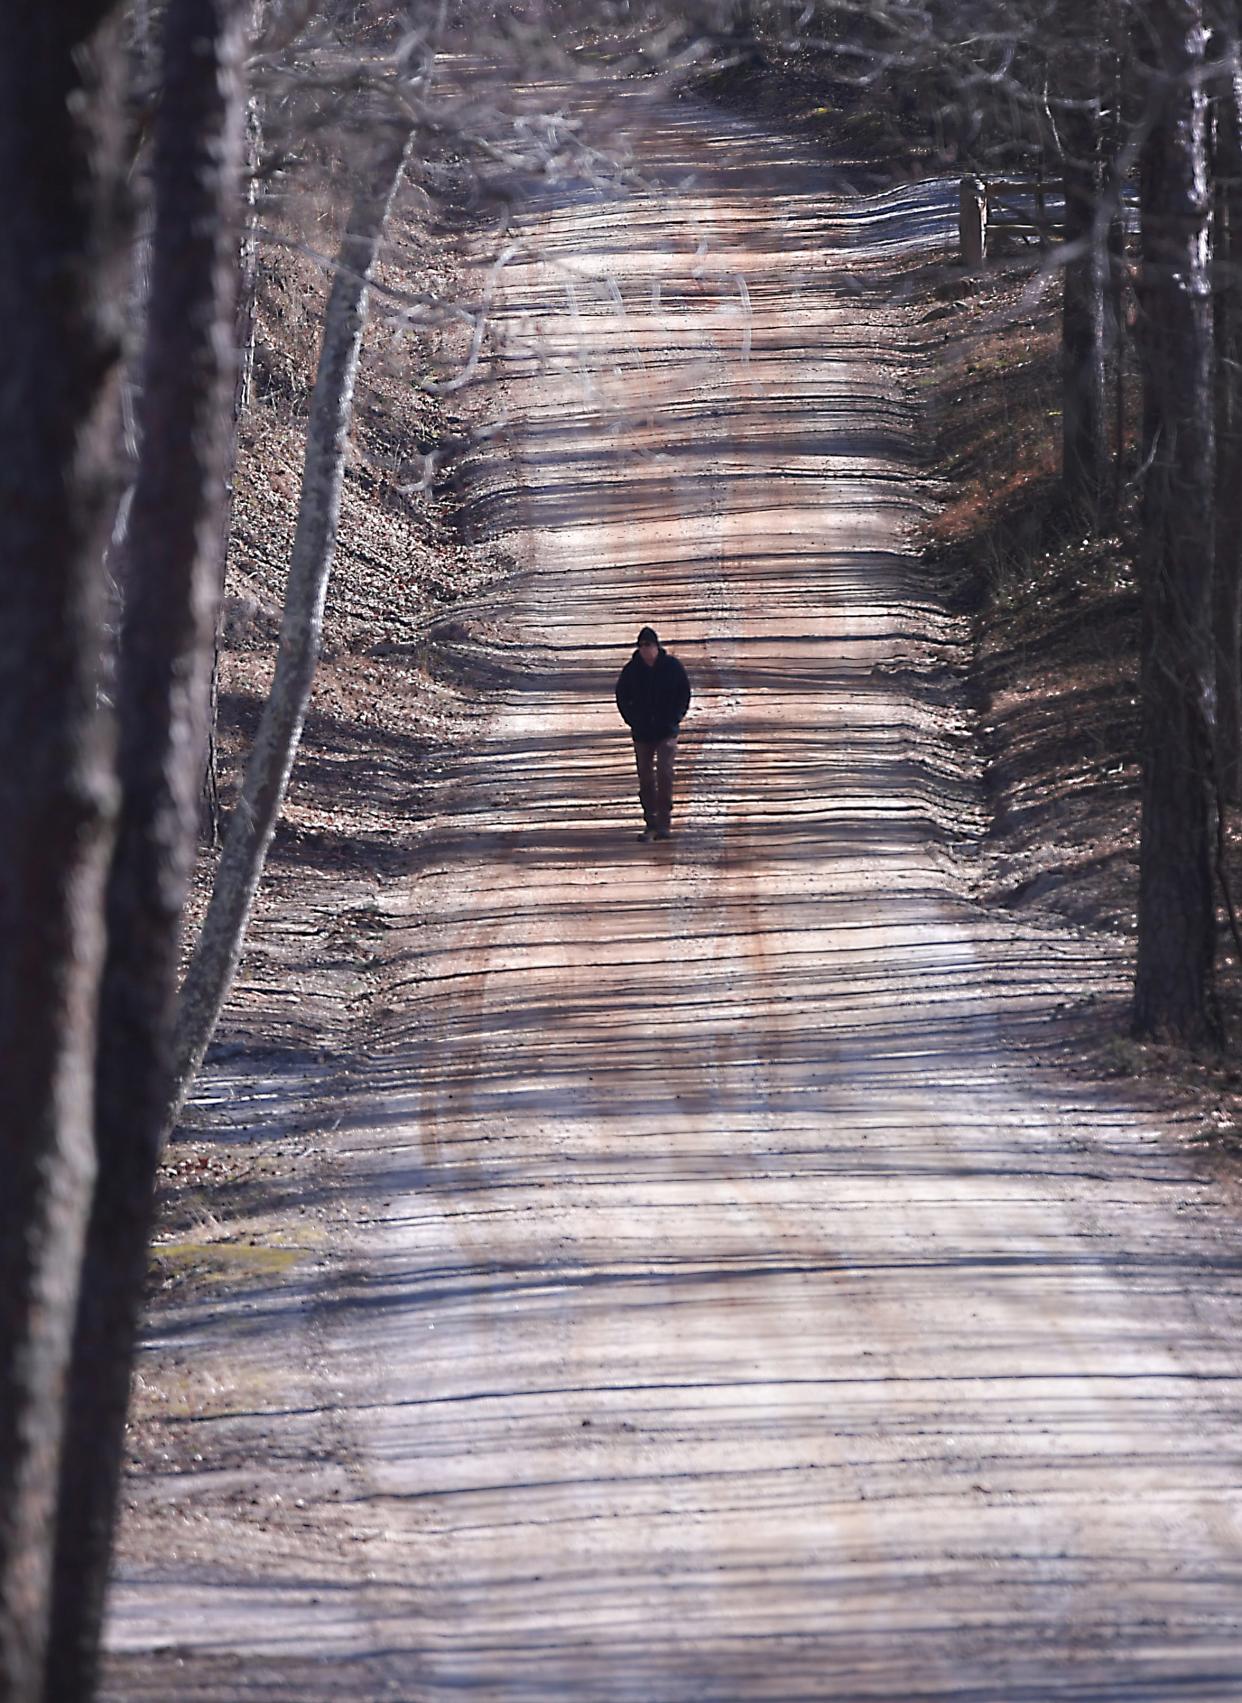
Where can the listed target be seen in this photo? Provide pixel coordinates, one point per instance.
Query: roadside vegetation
(1102, 146)
(1097, 551)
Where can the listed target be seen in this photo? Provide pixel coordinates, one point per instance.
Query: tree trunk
(1083, 323)
(1120, 129)
(253, 821)
(173, 547)
(245, 319)
(1117, 342)
(1174, 994)
(1227, 269)
(62, 286)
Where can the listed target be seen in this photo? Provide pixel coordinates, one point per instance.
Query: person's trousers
(656, 759)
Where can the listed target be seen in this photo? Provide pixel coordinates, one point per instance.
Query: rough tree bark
(1117, 140)
(1174, 995)
(246, 319)
(1227, 277)
(1083, 324)
(174, 543)
(253, 820)
(62, 285)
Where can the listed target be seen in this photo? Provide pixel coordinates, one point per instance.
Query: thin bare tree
(246, 325)
(266, 776)
(1077, 67)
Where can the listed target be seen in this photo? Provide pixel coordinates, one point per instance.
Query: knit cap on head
(648, 636)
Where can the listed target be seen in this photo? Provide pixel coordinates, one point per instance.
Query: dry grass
(1055, 611)
(381, 707)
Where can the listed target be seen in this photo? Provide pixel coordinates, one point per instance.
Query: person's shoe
(662, 834)
(647, 835)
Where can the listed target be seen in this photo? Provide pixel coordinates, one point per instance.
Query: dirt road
(726, 1305)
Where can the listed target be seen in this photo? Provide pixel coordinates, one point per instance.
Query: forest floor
(707, 1271)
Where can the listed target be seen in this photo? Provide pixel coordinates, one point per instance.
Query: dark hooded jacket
(653, 700)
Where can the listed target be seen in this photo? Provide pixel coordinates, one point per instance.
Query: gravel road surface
(726, 1303)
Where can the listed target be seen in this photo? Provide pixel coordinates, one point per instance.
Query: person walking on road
(653, 694)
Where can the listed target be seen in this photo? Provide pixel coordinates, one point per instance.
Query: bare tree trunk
(173, 547)
(62, 288)
(1227, 266)
(1083, 312)
(245, 322)
(1174, 994)
(1115, 147)
(248, 258)
(253, 821)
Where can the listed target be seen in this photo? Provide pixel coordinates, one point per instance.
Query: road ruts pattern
(732, 1310)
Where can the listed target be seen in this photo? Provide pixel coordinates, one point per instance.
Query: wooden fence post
(972, 221)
